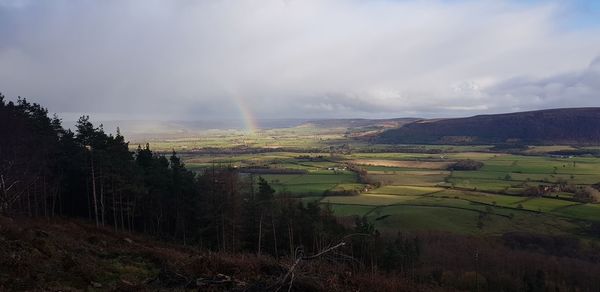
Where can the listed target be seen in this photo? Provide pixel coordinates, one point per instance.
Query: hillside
(363, 129)
(359, 123)
(555, 126)
(71, 255)
(60, 254)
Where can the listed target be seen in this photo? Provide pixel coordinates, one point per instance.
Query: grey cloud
(309, 58)
(574, 89)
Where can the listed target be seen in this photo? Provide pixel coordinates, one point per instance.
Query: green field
(417, 200)
(412, 191)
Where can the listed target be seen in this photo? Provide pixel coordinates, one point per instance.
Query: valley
(410, 187)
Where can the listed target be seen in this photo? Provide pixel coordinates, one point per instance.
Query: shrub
(467, 164)
(341, 193)
(532, 191)
(587, 195)
(594, 229)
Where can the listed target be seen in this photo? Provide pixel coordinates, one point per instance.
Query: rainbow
(249, 120)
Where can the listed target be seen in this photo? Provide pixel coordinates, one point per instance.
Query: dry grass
(40, 255)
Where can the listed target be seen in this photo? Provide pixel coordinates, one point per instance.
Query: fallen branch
(300, 257)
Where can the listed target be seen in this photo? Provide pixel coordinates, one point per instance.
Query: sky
(194, 60)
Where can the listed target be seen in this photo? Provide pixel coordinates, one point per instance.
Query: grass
(350, 210)
(416, 191)
(452, 215)
(415, 198)
(589, 212)
(312, 184)
(546, 149)
(411, 218)
(304, 137)
(419, 218)
(408, 176)
(511, 171)
(369, 199)
(405, 190)
(410, 179)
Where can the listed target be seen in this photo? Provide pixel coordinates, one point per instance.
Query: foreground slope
(555, 126)
(70, 255)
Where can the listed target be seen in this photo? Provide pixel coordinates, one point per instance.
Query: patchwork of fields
(297, 138)
(489, 200)
(415, 191)
(408, 187)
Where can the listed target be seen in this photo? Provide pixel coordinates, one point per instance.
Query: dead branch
(300, 257)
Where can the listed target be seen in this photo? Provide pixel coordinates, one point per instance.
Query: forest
(48, 172)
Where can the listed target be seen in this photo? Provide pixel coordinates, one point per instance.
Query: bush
(341, 193)
(558, 245)
(532, 191)
(587, 195)
(594, 229)
(467, 164)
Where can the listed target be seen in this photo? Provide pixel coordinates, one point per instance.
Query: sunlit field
(411, 190)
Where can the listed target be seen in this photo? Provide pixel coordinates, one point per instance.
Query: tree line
(49, 171)
(46, 170)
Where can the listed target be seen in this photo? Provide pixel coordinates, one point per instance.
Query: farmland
(490, 200)
(394, 210)
(408, 187)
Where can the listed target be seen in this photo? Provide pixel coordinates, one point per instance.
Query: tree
(264, 201)
(29, 145)
(365, 244)
(402, 254)
(46, 170)
(466, 164)
(587, 195)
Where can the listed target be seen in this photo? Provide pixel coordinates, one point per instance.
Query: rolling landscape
(299, 145)
(535, 205)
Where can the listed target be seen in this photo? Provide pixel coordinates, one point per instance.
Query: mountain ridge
(551, 126)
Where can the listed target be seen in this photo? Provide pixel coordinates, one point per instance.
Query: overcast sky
(299, 58)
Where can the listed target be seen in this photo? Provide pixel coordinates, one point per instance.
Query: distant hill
(360, 123)
(556, 126)
(364, 129)
(141, 130)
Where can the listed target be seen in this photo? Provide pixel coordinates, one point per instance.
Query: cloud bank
(309, 58)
